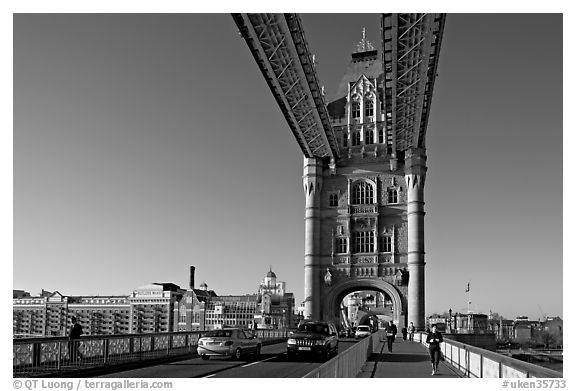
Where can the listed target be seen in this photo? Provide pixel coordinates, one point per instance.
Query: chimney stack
(192, 270)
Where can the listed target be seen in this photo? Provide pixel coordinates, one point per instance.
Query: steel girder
(411, 47)
(280, 49)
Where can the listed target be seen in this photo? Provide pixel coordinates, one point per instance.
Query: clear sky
(143, 144)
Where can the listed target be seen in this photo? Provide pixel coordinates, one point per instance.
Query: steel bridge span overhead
(280, 49)
(409, 50)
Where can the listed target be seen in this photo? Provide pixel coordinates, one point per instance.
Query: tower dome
(270, 279)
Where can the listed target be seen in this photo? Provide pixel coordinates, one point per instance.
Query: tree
(545, 338)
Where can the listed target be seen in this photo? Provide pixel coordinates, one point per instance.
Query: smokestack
(192, 270)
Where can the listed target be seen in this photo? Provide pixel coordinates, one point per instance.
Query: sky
(146, 143)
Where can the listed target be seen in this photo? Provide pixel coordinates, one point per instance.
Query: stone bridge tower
(364, 219)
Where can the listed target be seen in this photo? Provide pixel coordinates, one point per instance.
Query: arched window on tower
(369, 108)
(362, 193)
(392, 196)
(355, 109)
(381, 136)
(369, 137)
(355, 138)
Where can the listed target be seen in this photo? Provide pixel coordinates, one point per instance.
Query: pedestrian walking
(74, 340)
(433, 340)
(404, 333)
(391, 331)
(411, 330)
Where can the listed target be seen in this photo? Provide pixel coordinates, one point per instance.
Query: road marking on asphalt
(257, 362)
(210, 375)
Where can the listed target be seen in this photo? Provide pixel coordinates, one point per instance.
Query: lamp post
(450, 320)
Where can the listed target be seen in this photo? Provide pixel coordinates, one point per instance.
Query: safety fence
(58, 355)
(475, 362)
(350, 362)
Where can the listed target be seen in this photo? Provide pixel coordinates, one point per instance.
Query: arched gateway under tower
(364, 212)
(364, 156)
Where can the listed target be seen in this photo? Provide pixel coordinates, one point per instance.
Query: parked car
(233, 343)
(317, 338)
(362, 331)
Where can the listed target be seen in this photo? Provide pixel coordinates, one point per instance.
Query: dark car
(316, 338)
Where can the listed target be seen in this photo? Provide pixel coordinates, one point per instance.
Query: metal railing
(350, 362)
(58, 355)
(480, 363)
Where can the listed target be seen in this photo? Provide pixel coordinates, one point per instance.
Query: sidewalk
(407, 360)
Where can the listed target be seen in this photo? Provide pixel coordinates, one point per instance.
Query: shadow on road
(397, 357)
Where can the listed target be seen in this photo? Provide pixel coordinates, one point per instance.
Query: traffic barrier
(472, 361)
(350, 362)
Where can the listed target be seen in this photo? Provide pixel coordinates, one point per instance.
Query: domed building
(275, 306)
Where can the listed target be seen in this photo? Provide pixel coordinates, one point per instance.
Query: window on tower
(341, 245)
(355, 138)
(362, 193)
(369, 137)
(369, 108)
(355, 109)
(386, 244)
(363, 242)
(392, 196)
(333, 200)
(381, 136)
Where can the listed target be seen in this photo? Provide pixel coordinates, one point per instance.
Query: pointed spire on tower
(364, 45)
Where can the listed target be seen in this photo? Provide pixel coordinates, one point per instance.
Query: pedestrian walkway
(407, 360)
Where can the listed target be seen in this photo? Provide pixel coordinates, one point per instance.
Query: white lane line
(209, 375)
(257, 362)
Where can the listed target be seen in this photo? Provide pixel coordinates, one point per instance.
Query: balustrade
(52, 355)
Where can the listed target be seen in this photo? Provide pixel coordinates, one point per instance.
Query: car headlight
(320, 342)
(291, 341)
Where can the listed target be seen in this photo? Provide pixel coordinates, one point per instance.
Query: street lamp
(450, 320)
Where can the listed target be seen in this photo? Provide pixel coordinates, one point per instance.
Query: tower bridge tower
(363, 223)
(364, 156)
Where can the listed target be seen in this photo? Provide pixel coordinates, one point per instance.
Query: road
(273, 362)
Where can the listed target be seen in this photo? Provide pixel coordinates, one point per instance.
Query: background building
(153, 308)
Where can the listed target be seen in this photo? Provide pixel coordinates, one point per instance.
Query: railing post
(105, 351)
(140, 348)
(36, 350)
(131, 346)
(59, 356)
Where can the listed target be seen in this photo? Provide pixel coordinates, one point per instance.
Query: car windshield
(363, 328)
(218, 333)
(313, 328)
